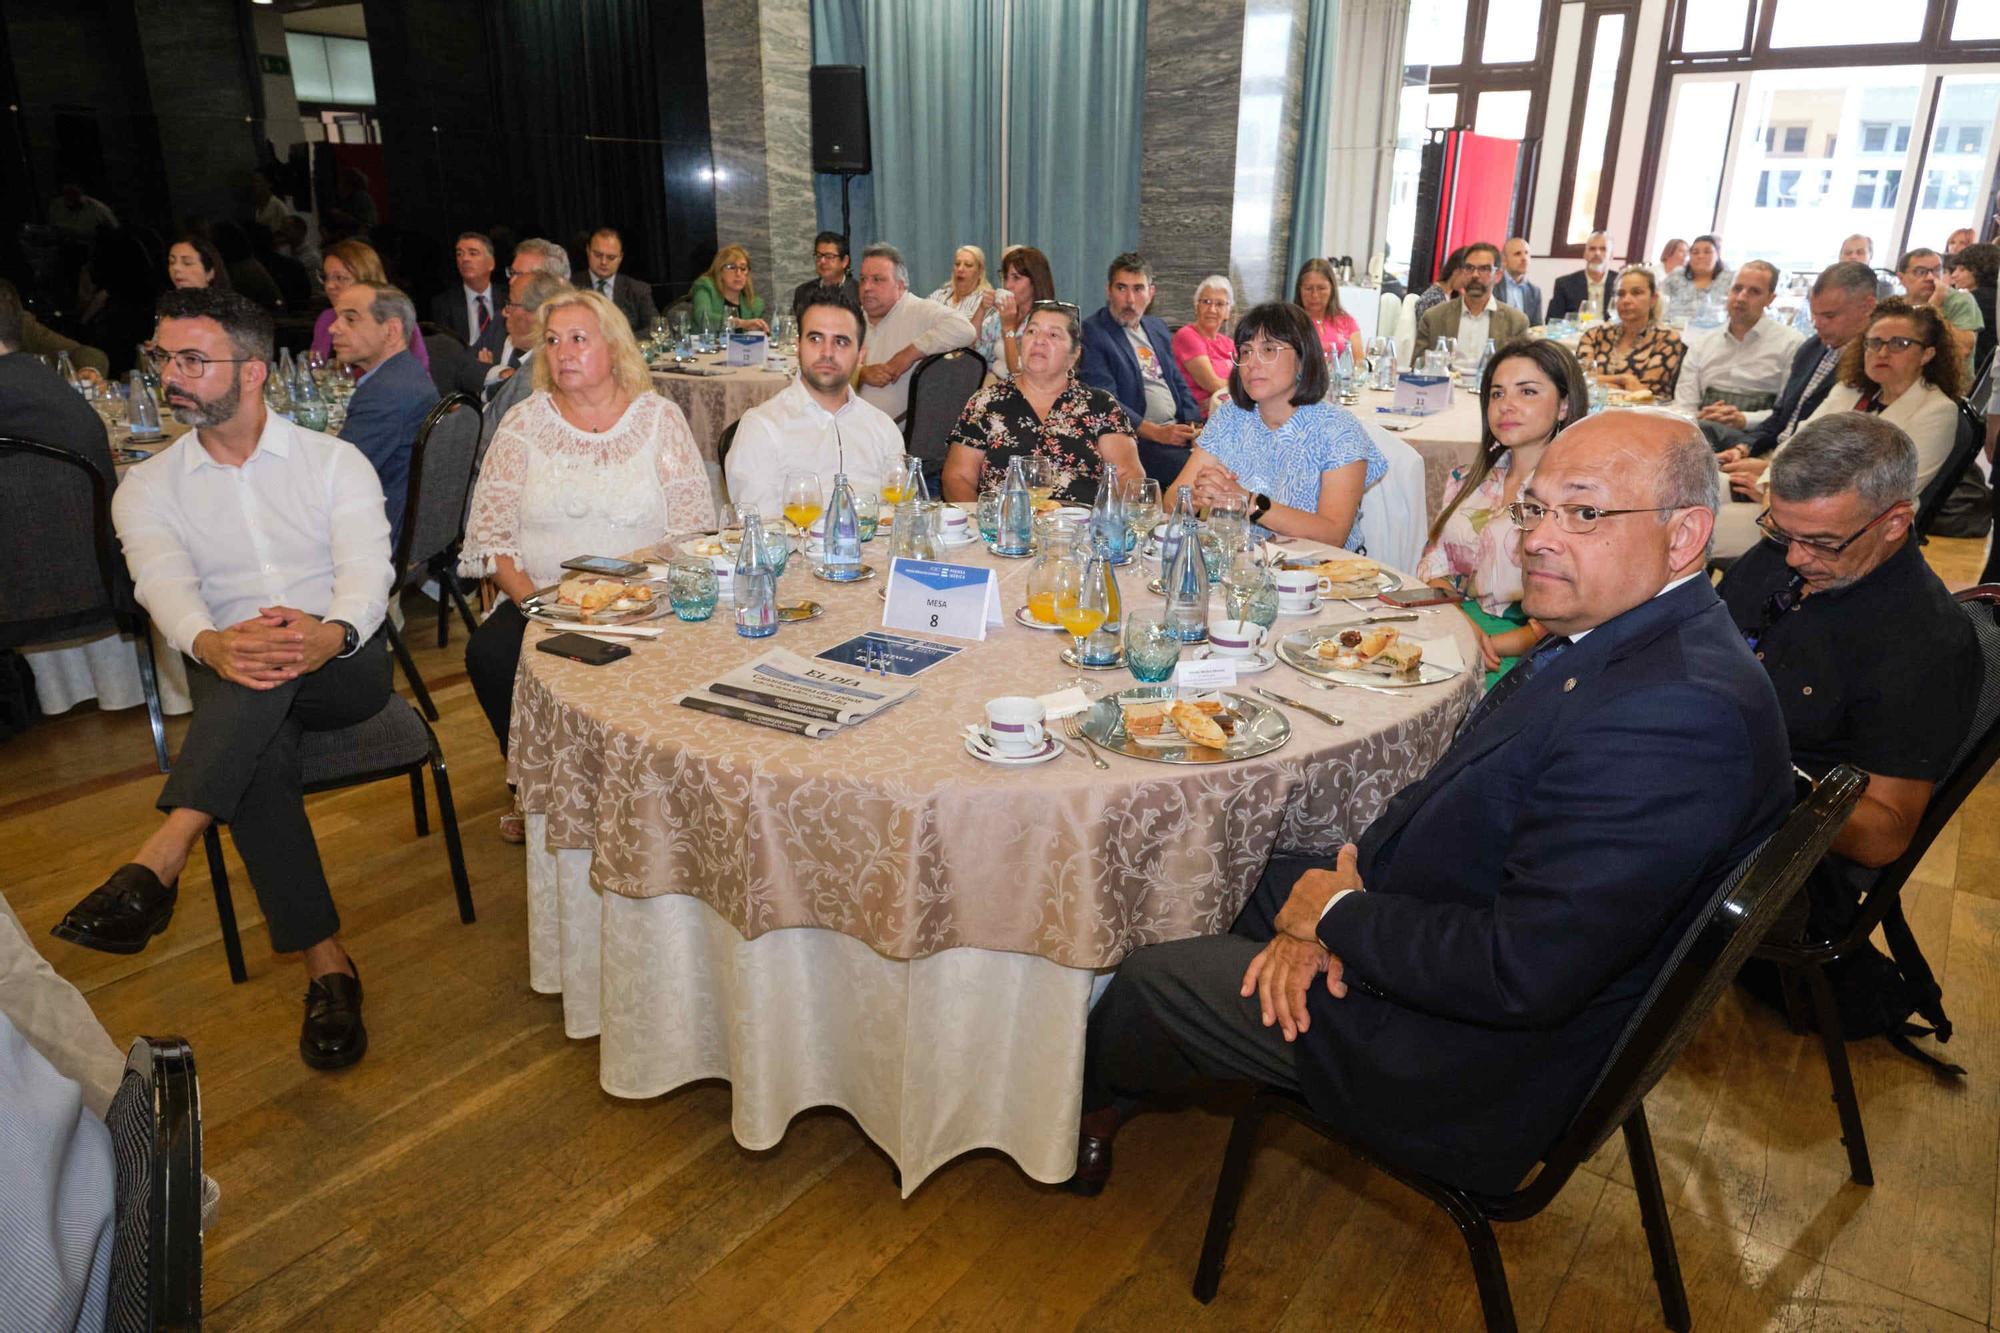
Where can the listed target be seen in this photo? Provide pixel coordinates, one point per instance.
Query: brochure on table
(933, 597)
(895, 654)
(802, 695)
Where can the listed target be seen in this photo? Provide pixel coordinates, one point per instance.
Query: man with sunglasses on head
(1873, 663)
(261, 550)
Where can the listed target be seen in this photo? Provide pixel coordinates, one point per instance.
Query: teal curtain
(1073, 119)
(1308, 234)
(837, 40)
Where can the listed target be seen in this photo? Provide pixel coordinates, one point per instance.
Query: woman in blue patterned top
(1297, 463)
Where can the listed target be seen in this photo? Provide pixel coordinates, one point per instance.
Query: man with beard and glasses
(261, 550)
(1473, 317)
(818, 424)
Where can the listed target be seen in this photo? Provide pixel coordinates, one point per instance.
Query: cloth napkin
(1065, 703)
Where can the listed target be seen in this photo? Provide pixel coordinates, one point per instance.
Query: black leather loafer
(122, 914)
(1093, 1166)
(333, 1036)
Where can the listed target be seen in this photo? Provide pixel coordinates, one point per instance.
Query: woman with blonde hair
(344, 264)
(967, 290)
(593, 462)
(725, 292)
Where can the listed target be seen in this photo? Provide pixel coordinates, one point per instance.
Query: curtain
(837, 40)
(1074, 111)
(1307, 238)
(1367, 78)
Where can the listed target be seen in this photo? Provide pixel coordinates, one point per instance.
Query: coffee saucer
(977, 746)
(1022, 616)
(1257, 663)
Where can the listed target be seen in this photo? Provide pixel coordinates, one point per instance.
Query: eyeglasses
(1927, 270)
(1480, 268)
(1898, 345)
(733, 267)
(1062, 307)
(193, 365)
(1527, 515)
(1778, 536)
(1213, 302)
(826, 254)
(1263, 353)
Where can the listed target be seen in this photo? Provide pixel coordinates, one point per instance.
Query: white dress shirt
(506, 357)
(1473, 332)
(793, 433)
(472, 299)
(911, 322)
(301, 524)
(1758, 362)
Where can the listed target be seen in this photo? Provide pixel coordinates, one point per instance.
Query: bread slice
(1195, 724)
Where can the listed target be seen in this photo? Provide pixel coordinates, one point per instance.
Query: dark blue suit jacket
(1764, 438)
(1109, 364)
(1521, 898)
(382, 421)
(1570, 292)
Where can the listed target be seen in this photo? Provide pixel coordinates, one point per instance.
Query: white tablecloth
(105, 669)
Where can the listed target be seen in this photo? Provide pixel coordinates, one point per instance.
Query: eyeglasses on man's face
(1481, 270)
(1527, 515)
(191, 364)
(1826, 550)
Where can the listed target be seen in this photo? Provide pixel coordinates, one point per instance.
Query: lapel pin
(1569, 684)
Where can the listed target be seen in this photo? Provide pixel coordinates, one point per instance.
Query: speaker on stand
(840, 143)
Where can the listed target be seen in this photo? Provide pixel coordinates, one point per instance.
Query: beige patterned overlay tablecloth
(876, 920)
(712, 402)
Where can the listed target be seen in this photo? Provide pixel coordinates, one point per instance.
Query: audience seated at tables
(1638, 352)
(634, 299)
(1922, 274)
(394, 394)
(1731, 376)
(469, 310)
(1129, 353)
(1025, 278)
(726, 293)
(35, 403)
(512, 379)
(344, 264)
(1514, 287)
(903, 329)
(1592, 282)
(1044, 411)
(77, 215)
(1473, 318)
(1974, 270)
(1532, 389)
(1860, 249)
(1688, 287)
(1446, 992)
(1203, 348)
(818, 424)
(1316, 291)
(1296, 463)
(1873, 663)
(1902, 369)
(593, 461)
(192, 261)
(1451, 277)
(830, 263)
(261, 550)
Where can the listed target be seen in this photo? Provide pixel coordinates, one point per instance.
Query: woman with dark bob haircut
(1297, 463)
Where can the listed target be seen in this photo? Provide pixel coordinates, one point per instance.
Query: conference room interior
(661, 1065)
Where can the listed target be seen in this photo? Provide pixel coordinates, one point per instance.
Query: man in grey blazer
(632, 297)
(1473, 316)
(513, 378)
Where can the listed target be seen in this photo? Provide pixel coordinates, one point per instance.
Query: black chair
(1971, 437)
(66, 578)
(939, 387)
(1679, 1001)
(155, 1124)
(728, 438)
(441, 463)
(392, 743)
(1804, 962)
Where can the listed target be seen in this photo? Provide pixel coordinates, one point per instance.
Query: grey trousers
(1172, 1020)
(240, 765)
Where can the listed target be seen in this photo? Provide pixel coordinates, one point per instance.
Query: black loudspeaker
(840, 120)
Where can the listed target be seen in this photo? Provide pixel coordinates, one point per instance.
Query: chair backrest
(155, 1124)
(1392, 522)
(1388, 312)
(727, 438)
(64, 574)
(939, 388)
(1971, 436)
(1406, 330)
(1707, 958)
(441, 463)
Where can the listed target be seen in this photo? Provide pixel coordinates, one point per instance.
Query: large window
(1585, 202)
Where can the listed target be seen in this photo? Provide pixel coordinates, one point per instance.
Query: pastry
(1399, 659)
(1195, 724)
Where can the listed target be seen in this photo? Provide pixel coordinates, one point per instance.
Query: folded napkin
(1444, 652)
(1065, 703)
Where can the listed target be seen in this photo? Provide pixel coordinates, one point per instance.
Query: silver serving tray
(1296, 650)
(1260, 729)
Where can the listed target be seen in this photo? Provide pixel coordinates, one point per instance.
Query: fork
(1073, 728)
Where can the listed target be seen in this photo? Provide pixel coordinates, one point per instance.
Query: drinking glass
(867, 511)
(777, 549)
(1229, 520)
(677, 324)
(1041, 478)
(1249, 591)
(1151, 648)
(894, 487)
(691, 587)
(804, 501)
(989, 514)
(1081, 608)
(1142, 505)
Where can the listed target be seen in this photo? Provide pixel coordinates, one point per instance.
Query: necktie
(1548, 650)
(485, 315)
(1827, 361)
(604, 286)
(514, 357)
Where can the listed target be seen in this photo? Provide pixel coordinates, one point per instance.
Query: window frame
(1594, 14)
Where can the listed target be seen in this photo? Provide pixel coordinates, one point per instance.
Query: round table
(714, 399)
(876, 920)
(1446, 439)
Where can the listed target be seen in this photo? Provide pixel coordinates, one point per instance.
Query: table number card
(1421, 395)
(933, 597)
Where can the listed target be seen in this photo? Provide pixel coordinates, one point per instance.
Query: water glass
(867, 511)
(776, 544)
(1214, 555)
(691, 587)
(1151, 648)
(989, 515)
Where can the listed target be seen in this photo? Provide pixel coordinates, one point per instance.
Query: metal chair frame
(170, 1098)
(440, 565)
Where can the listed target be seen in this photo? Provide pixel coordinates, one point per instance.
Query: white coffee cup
(957, 525)
(816, 535)
(1236, 638)
(1014, 724)
(1299, 589)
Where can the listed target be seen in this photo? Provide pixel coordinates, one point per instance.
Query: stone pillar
(758, 53)
(1187, 172)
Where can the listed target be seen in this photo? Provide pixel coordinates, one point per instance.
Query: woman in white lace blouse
(592, 463)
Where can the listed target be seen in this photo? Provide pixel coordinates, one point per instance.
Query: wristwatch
(1261, 507)
(350, 640)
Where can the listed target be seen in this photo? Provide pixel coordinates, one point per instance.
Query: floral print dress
(1001, 423)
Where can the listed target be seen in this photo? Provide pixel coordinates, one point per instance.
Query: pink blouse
(1220, 351)
(1335, 334)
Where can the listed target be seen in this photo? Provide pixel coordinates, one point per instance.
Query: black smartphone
(582, 648)
(609, 566)
(1423, 595)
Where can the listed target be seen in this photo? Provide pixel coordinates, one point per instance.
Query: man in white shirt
(1587, 283)
(1733, 375)
(471, 310)
(818, 424)
(913, 327)
(262, 552)
(1473, 317)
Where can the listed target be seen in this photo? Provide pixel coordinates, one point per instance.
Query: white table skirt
(106, 669)
(933, 1057)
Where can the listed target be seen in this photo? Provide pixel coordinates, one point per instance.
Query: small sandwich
(1348, 569)
(636, 596)
(589, 595)
(1195, 723)
(1401, 658)
(1145, 721)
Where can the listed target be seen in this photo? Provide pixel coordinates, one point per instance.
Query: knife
(1319, 713)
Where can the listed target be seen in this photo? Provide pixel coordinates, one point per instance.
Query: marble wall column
(1187, 173)
(758, 54)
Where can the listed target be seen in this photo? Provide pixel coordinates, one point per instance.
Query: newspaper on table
(805, 696)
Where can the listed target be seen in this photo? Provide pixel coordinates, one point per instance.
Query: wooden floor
(470, 1172)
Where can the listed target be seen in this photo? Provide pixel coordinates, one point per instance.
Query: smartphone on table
(1421, 595)
(582, 648)
(609, 566)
